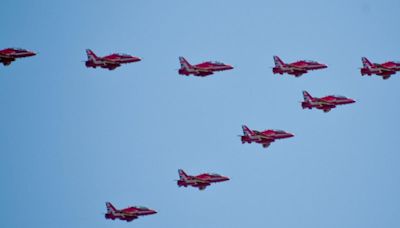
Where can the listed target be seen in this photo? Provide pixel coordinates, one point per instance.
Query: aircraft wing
(202, 182)
(297, 68)
(382, 67)
(264, 137)
(129, 215)
(326, 103)
(297, 71)
(326, 106)
(386, 69)
(112, 63)
(203, 71)
(323, 102)
(300, 69)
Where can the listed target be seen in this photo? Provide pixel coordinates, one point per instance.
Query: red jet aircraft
(324, 103)
(385, 69)
(202, 69)
(9, 55)
(110, 61)
(200, 181)
(297, 68)
(264, 137)
(127, 214)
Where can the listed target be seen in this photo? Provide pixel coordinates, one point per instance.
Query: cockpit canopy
(214, 174)
(311, 61)
(123, 55)
(19, 49)
(279, 131)
(340, 96)
(142, 208)
(217, 63)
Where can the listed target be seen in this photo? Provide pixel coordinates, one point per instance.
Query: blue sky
(72, 138)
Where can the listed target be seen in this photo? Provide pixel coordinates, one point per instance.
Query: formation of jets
(265, 137)
(298, 68)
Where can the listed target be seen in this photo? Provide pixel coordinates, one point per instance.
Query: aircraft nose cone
(352, 101)
(226, 178)
(153, 212)
(324, 66)
(229, 67)
(290, 135)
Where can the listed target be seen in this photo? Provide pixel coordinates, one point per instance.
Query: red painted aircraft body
(385, 69)
(110, 61)
(200, 181)
(127, 214)
(324, 103)
(263, 137)
(9, 55)
(296, 68)
(202, 69)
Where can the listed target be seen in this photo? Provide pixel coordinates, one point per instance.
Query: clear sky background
(72, 138)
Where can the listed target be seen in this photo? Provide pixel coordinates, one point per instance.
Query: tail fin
(110, 208)
(182, 174)
(246, 130)
(90, 55)
(307, 97)
(184, 63)
(366, 63)
(278, 61)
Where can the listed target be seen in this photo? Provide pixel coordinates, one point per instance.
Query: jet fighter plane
(110, 61)
(296, 68)
(202, 69)
(264, 137)
(324, 103)
(200, 181)
(127, 214)
(9, 55)
(385, 69)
